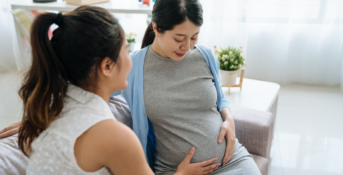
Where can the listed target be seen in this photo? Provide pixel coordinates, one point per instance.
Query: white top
(255, 94)
(53, 150)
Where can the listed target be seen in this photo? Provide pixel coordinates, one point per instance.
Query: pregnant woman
(175, 95)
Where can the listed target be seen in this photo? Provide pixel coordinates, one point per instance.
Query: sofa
(254, 130)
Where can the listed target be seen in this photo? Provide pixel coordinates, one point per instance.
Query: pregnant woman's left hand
(228, 131)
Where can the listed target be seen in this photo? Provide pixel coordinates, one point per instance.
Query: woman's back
(53, 150)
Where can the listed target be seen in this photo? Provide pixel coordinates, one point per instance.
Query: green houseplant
(231, 61)
(130, 37)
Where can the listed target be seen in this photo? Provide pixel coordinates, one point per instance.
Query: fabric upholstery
(254, 130)
(12, 160)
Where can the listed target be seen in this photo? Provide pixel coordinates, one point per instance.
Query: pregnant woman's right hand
(201, 168)
(10, 130)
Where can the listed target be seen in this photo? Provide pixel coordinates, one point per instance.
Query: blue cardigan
(134, 95)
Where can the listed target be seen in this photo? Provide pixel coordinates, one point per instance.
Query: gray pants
(241, 163)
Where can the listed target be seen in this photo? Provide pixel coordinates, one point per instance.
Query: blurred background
(284, 41)
(297, 44)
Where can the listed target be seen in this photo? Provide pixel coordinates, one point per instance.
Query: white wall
(7, 58)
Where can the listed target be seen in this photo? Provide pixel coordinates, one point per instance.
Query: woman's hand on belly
(205, 167)
(228, 131)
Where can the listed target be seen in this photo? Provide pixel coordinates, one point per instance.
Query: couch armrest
(254, 130)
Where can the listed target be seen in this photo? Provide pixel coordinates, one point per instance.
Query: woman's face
(174, 44)
(121, 69)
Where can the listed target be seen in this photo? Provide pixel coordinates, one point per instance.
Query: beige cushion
(262, 164)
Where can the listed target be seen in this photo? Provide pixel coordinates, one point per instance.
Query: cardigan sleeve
(224, 102)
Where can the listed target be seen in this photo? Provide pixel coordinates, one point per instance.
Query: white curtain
(7, 56)
(284, 41)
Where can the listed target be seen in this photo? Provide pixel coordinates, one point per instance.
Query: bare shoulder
(112, 144)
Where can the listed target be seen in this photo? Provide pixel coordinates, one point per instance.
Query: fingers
(221, 136)
(190, 155)
(227, 152)
(7, 129)
(12, 126)
(223, 131)
(207, 162)
(8, 132)
(16, 123)
(230, 149)
(209, 169)
(231, 153)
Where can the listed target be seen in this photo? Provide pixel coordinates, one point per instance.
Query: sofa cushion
(12, 160)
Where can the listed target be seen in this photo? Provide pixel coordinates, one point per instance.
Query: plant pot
(131, 47)
(226, 77)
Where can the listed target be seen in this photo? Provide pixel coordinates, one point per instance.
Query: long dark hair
(84, 38)
(168, 13)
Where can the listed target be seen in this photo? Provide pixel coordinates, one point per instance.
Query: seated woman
(67, 125)
(14, 162)
(175, 95)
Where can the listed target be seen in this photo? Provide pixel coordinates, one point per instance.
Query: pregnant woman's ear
(10, 130)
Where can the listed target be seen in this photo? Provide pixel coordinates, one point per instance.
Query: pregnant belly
(173, 142)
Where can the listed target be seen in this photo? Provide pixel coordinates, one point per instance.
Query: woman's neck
(157, 49)
(102, 92)
(104, 95)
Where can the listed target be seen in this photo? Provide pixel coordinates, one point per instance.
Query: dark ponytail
(43, 85)
(84, 38)
(149, 36)
(168, 13)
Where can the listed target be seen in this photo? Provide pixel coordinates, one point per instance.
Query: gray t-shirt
(180, 101)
